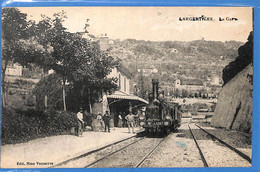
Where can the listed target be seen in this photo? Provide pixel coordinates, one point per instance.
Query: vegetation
(80, 74)
(194, 63)
(195, 107)
(142, 87)
(19, 125)
(50, 90)
(19, 94)
(79, 62)
(14, 29)
(245, 58)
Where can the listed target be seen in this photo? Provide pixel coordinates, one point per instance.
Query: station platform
(50, 151)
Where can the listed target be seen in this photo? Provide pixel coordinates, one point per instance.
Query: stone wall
(234, 107)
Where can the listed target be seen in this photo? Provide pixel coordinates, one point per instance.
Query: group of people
(123, 122)
(104, 120)
(130, 118)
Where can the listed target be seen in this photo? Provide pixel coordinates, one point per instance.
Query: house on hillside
(174, 50)
(148, 71)
(179, 86)
(215, 80)
(167, 88)
(14, 69)
(209, 91)
(192, 89)
(104, 42)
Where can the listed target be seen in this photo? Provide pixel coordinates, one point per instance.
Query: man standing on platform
(106, 119)
(120, 120)
(100, 120)
(130, 121)
(80, 122)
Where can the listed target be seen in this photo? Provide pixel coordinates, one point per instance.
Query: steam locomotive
(160, 116)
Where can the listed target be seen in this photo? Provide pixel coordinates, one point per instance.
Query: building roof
(126, 97)
(123, 70)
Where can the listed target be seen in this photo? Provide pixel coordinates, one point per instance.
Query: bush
(88, 118)
(52, 88)
(21, 82)
(20, 125)
(195, 107)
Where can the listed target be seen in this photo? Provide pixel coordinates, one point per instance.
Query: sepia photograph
(126, 87)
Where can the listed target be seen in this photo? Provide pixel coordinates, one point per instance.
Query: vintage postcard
(123, 87)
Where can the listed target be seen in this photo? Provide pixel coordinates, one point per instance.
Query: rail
(229, 146)
(112, 153)
(93, 151)
(148, 154)
(201, 154)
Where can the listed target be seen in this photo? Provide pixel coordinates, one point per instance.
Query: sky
(154, 23)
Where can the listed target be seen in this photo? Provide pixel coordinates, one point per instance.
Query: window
(124, 84)
(119, 81)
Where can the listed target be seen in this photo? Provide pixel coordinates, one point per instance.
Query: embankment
(234, 107)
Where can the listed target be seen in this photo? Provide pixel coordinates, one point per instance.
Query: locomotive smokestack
(155, 88)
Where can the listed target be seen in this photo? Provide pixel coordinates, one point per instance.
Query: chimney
(104, 42)
(155, 88)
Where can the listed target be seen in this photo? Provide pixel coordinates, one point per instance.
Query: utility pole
(136, 62)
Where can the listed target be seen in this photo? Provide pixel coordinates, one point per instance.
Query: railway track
(131, 155)
(112, 153)
(244, 156)
(201, 153)
(72, 160)
(134, 150)
(139, 164)
(232, 156)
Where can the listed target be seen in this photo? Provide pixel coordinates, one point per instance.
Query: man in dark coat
(106, 119)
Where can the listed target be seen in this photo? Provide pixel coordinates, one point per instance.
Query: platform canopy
(127, 97)
(117, 96)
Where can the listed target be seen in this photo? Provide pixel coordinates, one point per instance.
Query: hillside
(193, 62)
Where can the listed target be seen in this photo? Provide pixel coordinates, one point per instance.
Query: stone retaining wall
(234, 107)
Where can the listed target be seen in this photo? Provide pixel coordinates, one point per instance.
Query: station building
(121, 101)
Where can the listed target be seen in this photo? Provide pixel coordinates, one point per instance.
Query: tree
(245, 58)
(184, 93)
(177, 93)
(49, 45)
(61, 47)
(14, 29)
(91, 76)
(78, 61)
(64, 60)
(140, 85)
(22, 42)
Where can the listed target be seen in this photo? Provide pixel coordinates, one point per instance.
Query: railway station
(156, 93)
